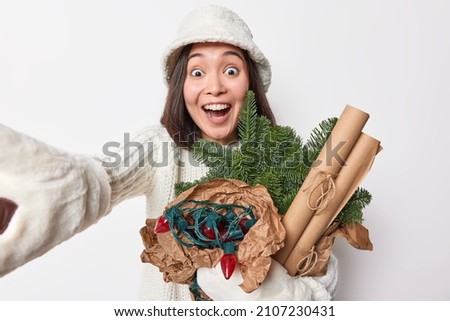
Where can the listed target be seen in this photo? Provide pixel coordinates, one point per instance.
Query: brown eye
(231, 71)
(197, 73)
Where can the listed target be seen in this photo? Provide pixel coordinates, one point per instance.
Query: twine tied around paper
(327, 190)
(307, 263)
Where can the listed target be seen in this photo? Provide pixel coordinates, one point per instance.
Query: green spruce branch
(273, 156)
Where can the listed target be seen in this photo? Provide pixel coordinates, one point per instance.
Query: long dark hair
(176, 118)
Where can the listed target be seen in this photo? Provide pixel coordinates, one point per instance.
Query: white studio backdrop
(77, 74)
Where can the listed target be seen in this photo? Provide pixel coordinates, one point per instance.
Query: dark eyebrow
(226, 53)
(195, 55)
(234, 53)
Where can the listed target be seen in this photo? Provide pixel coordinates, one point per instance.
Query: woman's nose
(215, 85)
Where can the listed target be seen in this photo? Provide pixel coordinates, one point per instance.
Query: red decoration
(208, 232)
(228, 264)
(223, 230)
(242, 222)
(162, 225)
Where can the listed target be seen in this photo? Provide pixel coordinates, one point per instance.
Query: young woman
(209, 68)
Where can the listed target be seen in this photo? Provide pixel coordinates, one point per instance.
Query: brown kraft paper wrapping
(355, 234)
(179, 263)
(302, 257)
(310, 196)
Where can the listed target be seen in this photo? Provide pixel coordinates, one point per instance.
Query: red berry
(162, 225)
(228, 264)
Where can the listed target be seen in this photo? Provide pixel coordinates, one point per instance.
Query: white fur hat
(215, 24)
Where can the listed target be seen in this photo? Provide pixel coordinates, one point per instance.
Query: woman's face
(214, 90)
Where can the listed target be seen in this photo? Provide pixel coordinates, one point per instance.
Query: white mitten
(57, 194)
(278, 285)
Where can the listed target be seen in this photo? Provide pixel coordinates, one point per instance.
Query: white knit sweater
(71, 192)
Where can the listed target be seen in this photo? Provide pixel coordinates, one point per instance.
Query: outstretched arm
(60, 194)
(57, 195)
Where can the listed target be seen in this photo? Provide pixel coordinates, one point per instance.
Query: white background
(77, 74)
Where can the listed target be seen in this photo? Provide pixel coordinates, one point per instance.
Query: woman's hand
(58, 195)
(278, 285)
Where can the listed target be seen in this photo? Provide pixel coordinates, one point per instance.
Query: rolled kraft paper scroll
(357, 165)
(327, 165)
(7, 210)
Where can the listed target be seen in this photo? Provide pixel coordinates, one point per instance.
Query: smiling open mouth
(217, 110)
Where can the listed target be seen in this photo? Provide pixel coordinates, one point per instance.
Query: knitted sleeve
(59, 194)
(130, 163)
